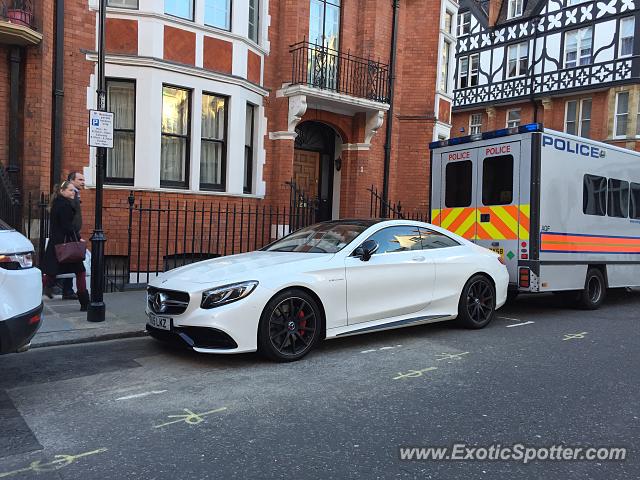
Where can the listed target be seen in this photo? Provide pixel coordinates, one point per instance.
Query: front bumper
(17, 332)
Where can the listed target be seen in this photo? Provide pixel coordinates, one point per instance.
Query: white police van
(20, 291)
(563, 211)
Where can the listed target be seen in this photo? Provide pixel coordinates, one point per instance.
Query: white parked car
(20, 291)
(329, 280)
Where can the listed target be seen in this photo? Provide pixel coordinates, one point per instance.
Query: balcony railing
(17, 11)
(321, 67)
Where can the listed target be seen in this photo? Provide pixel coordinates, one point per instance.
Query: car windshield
(329, 237)
(4, 226)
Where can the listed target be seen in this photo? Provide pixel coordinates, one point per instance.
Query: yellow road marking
(59, 462)
(572, 336)
(190, 418)
(414, 373)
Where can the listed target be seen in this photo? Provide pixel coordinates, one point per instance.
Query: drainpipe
(392, 81)
(533, 71)
(58, 94)
(15, 59)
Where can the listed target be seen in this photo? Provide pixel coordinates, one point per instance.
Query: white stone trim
(347, 102)
(356, 147)
(282, 135)
(297, 109)
(374, 122)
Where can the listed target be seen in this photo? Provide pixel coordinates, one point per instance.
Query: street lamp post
(96, 308)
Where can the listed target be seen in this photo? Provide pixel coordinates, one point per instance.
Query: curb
(91, 339)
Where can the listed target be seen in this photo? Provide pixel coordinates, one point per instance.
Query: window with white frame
(475, 123)
(254, 19)
(513, 118)
(176, 137)
(444, 66)
(578, 117)
(578, 47)
(448, 22)
(468, 71)
(249, 136)
(622, 115)
(464, 23)
(179, 8)
(123, 3)
(217, 13)
(213, 142)
(121, 100)
(515, 8)
(518, 60)
(627, 27)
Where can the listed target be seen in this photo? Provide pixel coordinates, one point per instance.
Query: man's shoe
(69, 296)
(83, 298)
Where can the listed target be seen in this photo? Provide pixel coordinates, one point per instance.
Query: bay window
(213, 147)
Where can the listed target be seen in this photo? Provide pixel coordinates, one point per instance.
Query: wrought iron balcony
(17, 23)
(323, 68)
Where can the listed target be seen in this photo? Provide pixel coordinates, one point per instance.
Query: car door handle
(418, 259)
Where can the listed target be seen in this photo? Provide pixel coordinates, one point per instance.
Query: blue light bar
(503, 132)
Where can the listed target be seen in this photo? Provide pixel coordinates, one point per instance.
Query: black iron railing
(10, 202)
(321, 67)
(17, 11)
(303, 208)
(380, 208)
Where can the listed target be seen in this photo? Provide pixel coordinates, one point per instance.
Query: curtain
(173, 159)
(121, 101)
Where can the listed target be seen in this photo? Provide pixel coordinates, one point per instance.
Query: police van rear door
(498, 200)
(457, 209)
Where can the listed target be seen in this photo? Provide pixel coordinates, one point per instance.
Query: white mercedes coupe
(328, 280)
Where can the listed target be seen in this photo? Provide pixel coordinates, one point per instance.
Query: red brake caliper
(303, 323)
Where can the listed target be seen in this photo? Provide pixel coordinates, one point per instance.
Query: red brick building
(224, 101)
(572, 65)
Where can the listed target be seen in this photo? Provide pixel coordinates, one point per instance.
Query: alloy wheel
(480, 301)
(292, 326)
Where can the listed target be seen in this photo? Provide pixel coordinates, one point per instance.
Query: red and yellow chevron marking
(508, 222)
(572, 243)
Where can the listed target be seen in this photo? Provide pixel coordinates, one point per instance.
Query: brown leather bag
(71, 252)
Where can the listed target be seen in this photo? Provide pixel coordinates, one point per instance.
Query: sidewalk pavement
(63, 323)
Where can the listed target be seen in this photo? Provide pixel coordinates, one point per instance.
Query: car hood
(245, 266)
(14, 242)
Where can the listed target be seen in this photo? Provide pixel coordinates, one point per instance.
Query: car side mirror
(367, 249)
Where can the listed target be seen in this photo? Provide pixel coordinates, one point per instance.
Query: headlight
(227, 294)
(16, 261)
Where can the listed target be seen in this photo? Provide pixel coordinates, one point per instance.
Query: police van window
(431, 240)
(618, 204)
(458, 187)
(634, 201)
(594, 195)
(497, 180)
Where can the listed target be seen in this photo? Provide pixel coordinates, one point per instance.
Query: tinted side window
(618, 205)
(594, 195)
(634, 201)
(431, 239)
(497, 180)
(397, 239)
(458, 186)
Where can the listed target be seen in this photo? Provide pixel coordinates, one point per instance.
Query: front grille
(167, 302)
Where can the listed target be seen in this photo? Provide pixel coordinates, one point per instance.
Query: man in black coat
(78, 181)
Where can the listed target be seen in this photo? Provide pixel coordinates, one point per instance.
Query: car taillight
(16, 261)
(524, 277)
(34, 319)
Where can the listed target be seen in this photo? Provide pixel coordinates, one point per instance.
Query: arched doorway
(313, 165)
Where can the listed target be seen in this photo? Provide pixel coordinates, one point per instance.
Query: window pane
(213, 117)
(458, 186)
(179, 8)
(253, 20)
(431, 240)
(618, 205)
(627, 26)
(173, 159)
(216, 13)
(175, 110)
(448, 22)
(497, 180)
(634, 210)
(444, 72)
(572, 110)
(248, 147)
(120, 157)
(211, 160)
(397, 239)
(594, 195)
(585, 115)
(622, 110)
(121, 100)
(123, 3)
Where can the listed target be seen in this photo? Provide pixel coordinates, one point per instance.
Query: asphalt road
(541, 374)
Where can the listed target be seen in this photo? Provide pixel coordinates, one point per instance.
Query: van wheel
(594, 292)
(477, 303)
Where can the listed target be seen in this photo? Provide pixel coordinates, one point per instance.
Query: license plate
(163, 323)
(499, 251)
